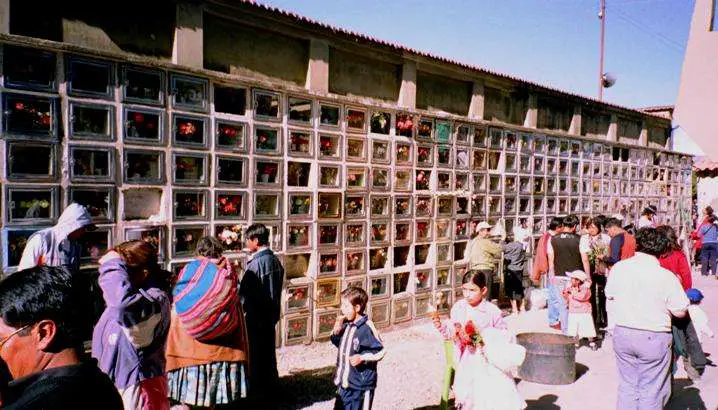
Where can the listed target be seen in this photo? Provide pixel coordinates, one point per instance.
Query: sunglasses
(8, 337)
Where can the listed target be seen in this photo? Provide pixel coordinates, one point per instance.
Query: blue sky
(553, 42)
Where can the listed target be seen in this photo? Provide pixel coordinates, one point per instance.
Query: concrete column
(575, 127)
(318, 69)
(612, 134)
(407, 93)
(5, 16)
(643, 136)
(476, 108)
(188, 47)
(531, 120)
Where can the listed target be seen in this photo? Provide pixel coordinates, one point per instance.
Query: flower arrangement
(354, 261)
(328, 234)
(356, 179)
(404, 125)
(422, 230)
(265, 140)
(444, 180)
(442, 228)
(299, 142)
(378, 232)
(422, 179)
(355, 119)
(445, 205)
(354, 206)
(598, 251)
(403, 154)
(231, 237)
(329, 176)
(31, 116)
(422, 279)
(380, 122)
(377, 258)
(301, 205)
(401, 206)
(188, 204)
(468, 335)
(401, 282)
(424, 129)
(299, 235)
(267, 172)
(378, 286)
(229, 205)
(355, 233)
(442, 277)
(355, 148)
(380, 150)
(298, 297)
(297, 328)
(379, 206)
(186, 128)
(423, 154)
(327, 146)
(460, 228)
(423, 206)
(328, 263)
(401, 232)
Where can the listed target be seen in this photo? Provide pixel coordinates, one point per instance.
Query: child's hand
(355, 360)
(338, 325)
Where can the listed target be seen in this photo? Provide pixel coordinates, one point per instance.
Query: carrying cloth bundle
(206, 300)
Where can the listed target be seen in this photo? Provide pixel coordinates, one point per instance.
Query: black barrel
(550, 358)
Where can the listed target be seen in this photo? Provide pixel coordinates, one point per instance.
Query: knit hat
(578, 274)
(694, 295)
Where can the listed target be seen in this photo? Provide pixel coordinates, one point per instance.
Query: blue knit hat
(694, 295)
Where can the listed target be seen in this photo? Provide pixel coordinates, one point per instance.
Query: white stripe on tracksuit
(344, 349)
(366, 405)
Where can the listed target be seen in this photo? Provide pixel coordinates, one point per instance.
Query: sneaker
(593, 346)
(556, 326)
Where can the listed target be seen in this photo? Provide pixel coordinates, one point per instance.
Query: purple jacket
(129, 339)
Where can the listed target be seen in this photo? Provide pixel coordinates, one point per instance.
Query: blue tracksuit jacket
(362, 338)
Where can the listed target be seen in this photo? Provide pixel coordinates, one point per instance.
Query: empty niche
(142, 203)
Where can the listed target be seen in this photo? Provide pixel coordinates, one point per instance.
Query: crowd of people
(206, 338)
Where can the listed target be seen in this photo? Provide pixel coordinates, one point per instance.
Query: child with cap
(698, 316)
(580, 320)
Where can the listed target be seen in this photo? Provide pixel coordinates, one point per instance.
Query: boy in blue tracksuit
(360, 349)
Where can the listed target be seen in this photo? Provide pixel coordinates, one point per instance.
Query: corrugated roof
(399, 47)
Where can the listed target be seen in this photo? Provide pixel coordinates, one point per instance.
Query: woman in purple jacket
(129, 339)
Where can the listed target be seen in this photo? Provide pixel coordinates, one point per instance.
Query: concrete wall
(240, 49)
(145, 28)
(697, 97)
(352, 74)
(593, 124)
(438, 93)
(629, 130)
(554, 114)
(657, 136)
(503, 106)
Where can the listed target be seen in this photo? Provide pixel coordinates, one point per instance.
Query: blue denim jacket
(709, 232)
(261, 286)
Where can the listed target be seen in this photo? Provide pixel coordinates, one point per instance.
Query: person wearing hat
(483, 255)
(580, 319)
(698, 316)
(59, 245)
(646, 220)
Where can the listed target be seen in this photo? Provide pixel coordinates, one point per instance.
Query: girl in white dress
(483, 379)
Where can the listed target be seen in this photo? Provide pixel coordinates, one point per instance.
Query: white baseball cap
(483, 225)
(578, 274)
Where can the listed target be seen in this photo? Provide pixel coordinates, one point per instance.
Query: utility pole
(602, 17)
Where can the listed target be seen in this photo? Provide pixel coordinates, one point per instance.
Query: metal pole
(602, 17)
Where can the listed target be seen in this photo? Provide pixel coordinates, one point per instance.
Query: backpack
(206, 300)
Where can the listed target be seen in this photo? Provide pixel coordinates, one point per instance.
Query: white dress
(483, 378)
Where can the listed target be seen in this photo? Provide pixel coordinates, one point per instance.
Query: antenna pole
(602, 18)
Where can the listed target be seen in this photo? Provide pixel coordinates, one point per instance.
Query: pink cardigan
(579, 300)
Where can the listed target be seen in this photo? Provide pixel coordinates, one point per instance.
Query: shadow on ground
(685, 396)
(545, 402)
(301, 389)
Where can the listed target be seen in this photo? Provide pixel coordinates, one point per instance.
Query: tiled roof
(658, 108)
(399, 47)
(705, 164)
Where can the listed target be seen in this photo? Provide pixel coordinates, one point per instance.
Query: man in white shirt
(644, 296)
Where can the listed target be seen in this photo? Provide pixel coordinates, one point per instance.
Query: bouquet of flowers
(468, 335)
(597, 253)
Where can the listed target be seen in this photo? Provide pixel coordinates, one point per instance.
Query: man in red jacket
(540, 265)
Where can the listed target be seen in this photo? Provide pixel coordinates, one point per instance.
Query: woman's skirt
(208, 384)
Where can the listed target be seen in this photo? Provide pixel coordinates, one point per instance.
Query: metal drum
(550, 358)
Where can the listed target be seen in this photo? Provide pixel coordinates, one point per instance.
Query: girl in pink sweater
(580, 321)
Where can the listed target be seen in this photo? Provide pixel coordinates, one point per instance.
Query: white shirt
(644, 294)
(584, 245)
(700, 321)
(522, 235)
(644, 222)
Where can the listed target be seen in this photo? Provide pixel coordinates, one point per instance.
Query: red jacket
(676, 262)
(629, 246)
(540, 266)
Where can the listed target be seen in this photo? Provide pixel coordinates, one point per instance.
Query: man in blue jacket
(261, 294)
(360, 348)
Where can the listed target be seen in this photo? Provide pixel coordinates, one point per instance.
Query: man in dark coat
(261, 291)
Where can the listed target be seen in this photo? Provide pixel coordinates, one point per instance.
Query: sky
(552, 42)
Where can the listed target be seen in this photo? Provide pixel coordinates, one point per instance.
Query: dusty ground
(410, 376)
